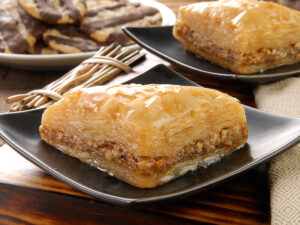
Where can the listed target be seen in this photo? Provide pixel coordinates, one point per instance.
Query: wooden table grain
(28, 195)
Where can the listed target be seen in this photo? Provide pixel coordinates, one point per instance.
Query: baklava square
(244, 36)
(146, 135)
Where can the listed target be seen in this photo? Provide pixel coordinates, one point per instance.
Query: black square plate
(160, 41)
(268, 136)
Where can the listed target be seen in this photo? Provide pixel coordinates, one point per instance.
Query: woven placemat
(283, 98)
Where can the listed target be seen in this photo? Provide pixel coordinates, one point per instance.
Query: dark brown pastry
(69, 39)
(42, 48)
(55, 11)
(18, 30)
(104, 19)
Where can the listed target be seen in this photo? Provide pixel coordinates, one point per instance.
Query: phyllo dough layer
(245, 36)
(145, 135)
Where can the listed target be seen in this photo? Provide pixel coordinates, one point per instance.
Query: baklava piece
(245, 36)
(146, 135)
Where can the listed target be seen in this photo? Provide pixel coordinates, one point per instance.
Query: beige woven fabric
(283, 98)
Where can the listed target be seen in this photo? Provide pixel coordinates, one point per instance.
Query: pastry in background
(293, 4)
(55, 11)
(69, 39)
(18, 30)
(146, 135)
(245, 36)
(104, 19)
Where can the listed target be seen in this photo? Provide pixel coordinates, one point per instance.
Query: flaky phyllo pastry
(146, 135)
(245, 36)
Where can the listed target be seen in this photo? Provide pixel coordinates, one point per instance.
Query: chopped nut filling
(115, 153)
(261, 56)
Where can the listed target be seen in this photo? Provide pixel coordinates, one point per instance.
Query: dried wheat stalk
(107, 63)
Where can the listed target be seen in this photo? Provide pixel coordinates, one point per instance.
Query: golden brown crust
(243, 36)
(145, 135)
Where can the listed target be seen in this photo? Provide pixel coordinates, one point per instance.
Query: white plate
(65, 61)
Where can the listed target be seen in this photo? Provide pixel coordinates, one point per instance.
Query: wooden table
(28, 195)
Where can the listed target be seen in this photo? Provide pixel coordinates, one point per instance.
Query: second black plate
(160, 41)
